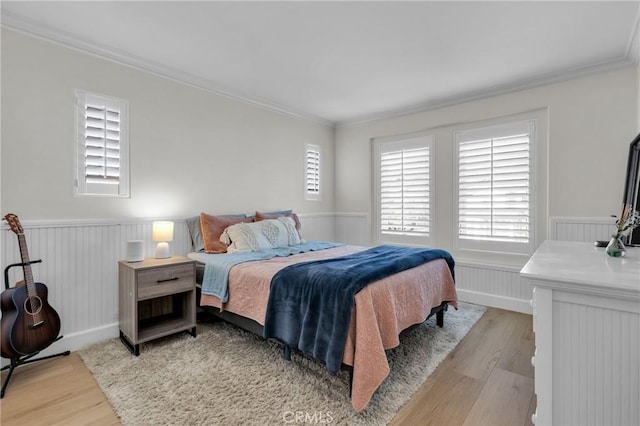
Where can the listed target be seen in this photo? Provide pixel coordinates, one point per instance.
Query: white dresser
(586, 319)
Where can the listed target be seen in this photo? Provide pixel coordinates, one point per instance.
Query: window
(495, 188)
(403, 180)
(312, 172)
(102, 166)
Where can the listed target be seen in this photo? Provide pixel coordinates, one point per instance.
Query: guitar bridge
(36, 324)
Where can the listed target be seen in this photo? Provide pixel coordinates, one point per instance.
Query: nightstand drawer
(165, 280)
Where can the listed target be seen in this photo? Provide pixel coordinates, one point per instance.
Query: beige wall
(585, 126)
(190, 150)
(193, 151)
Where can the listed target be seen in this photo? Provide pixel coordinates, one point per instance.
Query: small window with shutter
(495, 205)
(312, 172)
(403, 180)
(102, 163)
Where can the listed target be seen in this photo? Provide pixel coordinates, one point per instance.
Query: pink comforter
(382, 309)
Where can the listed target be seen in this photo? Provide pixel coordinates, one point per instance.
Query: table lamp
(162, 234)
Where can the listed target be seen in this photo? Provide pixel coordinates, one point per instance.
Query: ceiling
(344, 62)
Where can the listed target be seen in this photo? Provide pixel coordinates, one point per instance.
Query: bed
(381, 310)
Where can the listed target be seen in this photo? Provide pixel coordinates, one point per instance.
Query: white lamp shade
(162, 231)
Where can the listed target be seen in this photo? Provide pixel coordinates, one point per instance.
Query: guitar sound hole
(33, 305)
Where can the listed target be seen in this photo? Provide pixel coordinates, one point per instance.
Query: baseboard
(495, 301)
(75, 341)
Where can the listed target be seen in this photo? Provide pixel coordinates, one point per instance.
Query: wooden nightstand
(157, 298)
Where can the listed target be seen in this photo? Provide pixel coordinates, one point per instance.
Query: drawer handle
(168, 279)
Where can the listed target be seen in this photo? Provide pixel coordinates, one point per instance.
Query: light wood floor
(486, 380)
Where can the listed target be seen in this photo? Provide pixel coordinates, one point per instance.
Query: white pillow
(262, 235)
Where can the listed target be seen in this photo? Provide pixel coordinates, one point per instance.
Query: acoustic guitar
(29, 324)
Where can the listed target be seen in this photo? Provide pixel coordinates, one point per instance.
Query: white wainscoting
(79, 267)
(583, 229)
(79, 264)
(353, 228)
(318, 227)
(499, 286)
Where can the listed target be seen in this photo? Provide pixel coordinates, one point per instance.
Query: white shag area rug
(226, 376)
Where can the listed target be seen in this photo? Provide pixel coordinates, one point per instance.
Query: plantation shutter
(404, 191)
(312, 172)
(102, 145)
(494, 184)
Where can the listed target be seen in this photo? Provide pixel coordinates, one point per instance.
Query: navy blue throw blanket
(310, 303)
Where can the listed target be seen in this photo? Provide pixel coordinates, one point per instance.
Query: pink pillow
(262, 216)
(213, 227)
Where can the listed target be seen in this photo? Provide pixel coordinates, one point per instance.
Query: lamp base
(162, 251)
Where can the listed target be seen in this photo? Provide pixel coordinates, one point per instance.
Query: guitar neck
(26, 267)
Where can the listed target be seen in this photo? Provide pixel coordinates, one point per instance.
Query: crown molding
(26, 26)
(633, 45)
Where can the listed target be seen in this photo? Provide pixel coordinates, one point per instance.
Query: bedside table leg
(193, 332)
(134, 349)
